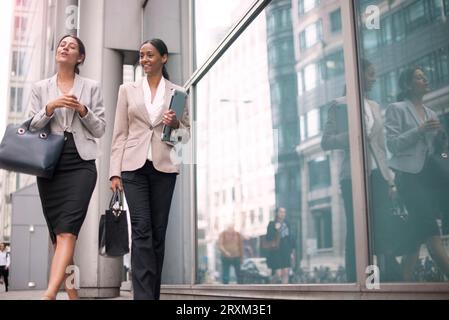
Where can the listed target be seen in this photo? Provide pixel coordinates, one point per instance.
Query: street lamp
(237, 181)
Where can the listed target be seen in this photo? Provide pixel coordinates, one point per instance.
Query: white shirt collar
(159, 97)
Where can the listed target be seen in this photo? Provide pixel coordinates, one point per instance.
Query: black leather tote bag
(31, 152)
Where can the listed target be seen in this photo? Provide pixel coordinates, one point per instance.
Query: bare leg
(439, 254)
(276, 277)
(284, 275)
(64, 251)
(408, 263)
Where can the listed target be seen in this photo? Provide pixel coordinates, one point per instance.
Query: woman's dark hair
(81, 49)
(161, 47)
(405, 80)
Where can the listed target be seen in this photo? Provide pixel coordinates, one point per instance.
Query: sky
(6, 9)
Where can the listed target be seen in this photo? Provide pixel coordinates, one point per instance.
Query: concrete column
(100, 276)
(67, 13)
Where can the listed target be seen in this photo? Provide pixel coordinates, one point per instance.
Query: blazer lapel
(139, 100)
(76, 91)
(412, 111)
(167, 96)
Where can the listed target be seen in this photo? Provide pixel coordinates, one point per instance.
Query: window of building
(310, 77)
(20, 28)
(16, 99)
(22, 3)
(416, 15)
(311, 35)
(18, 63)
(332, 65)
(387, 31)
(399, 26)
(285, 52)
(319, 173)
(335, 18)
(261, 216)
(323, 228)
(305, 6)
(313, 123)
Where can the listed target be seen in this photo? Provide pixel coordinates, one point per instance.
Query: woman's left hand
(78, 107)
(170, 119)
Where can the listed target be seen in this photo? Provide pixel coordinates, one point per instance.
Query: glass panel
(336, 21)
(16, 100)
(405, 87)
(213, 19)
(18, 64)
(276, 148)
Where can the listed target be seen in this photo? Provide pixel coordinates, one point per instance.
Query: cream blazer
(85, 130)
(133, 132)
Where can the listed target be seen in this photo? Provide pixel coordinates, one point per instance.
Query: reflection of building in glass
(320, 72)
(235, 170)
(283, 88)
(403, 40)
(411, 33)
(27, 56)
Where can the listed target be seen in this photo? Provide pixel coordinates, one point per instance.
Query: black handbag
(439, 161)
(113, 233)
(31, 152)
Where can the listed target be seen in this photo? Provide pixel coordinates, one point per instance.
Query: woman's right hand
(116, 182)
(430, 125)
(69, 101)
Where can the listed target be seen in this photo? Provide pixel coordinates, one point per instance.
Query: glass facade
(404, 84)
(279, 159)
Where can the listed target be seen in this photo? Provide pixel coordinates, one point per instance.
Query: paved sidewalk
(37, 294)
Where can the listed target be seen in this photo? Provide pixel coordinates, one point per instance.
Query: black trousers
(226, 265)
(148, 193)
(4, 273)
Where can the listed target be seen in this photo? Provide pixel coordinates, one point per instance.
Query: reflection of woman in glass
(411, 132)
(335, 136)
(280, 259)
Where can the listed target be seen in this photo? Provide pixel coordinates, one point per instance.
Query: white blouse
(154, 108)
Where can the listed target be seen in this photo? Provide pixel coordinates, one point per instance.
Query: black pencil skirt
(65, 197)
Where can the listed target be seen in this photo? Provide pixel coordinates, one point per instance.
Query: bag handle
(116, 202)
(25, 126)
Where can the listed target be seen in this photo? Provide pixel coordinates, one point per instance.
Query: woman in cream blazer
(144, 164)
(74, 108)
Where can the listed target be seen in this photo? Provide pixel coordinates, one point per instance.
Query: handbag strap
(117, 198)
(27, 124)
